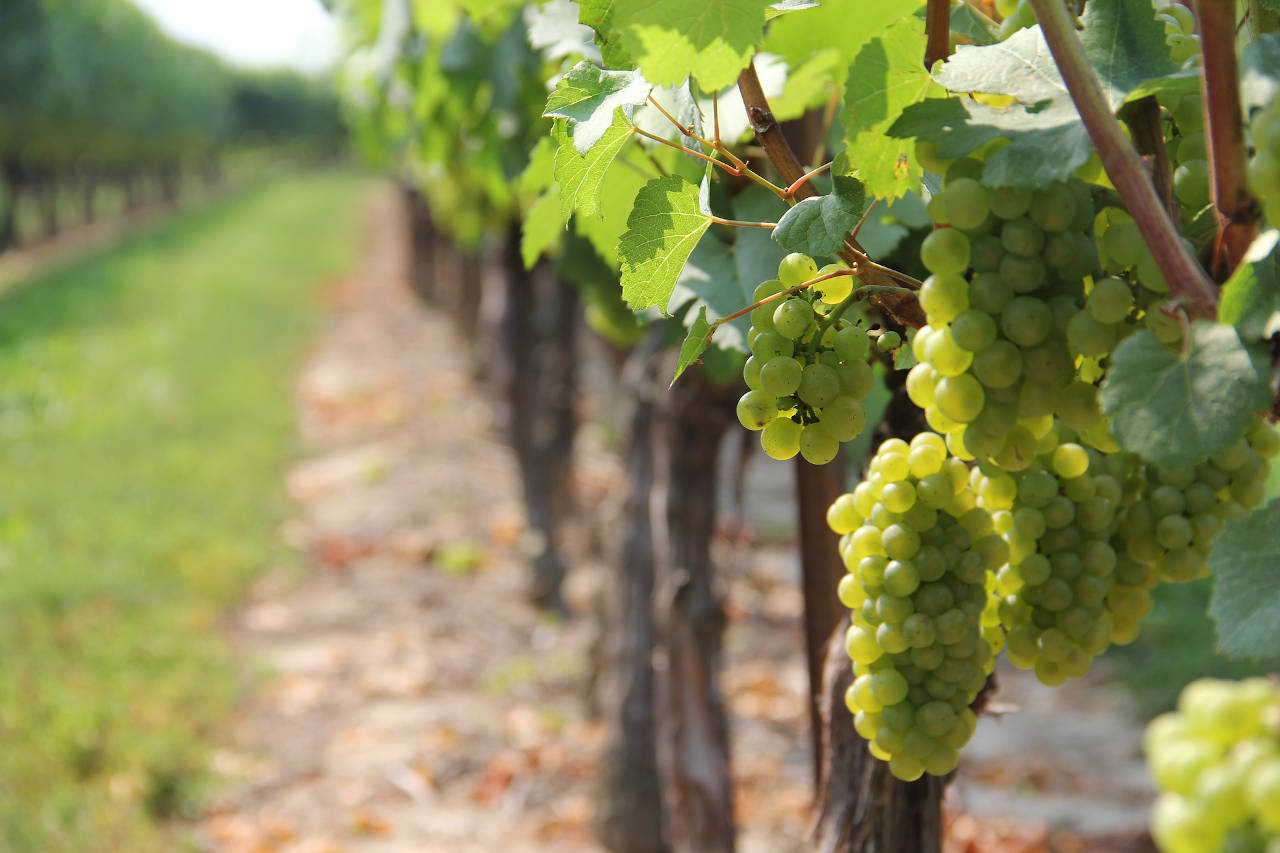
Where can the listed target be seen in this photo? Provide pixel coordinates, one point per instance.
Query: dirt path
(411, 701)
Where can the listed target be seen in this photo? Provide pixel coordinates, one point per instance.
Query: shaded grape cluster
(919, 553)
(808, 371)
(1264, 167)
(1216, 761)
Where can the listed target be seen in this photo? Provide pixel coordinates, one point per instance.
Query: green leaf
(580, 177)
(1047, 142)
(695, 343)
(782, 7)
(1246, 595)
(1175, 410)
(599, 15)
(1251, 297)
(710, 281)
(541, 229)
(1260, 71)
(904, 357)
(539, 174)
(886, 78)
(840, 25)
(712, 40)
(971, 24)
(755, 255)
(665, 224)
(554, 29)
(818, 226)
(618, 191)
(588, 97)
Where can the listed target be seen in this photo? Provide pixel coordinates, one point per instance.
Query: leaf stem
(687, 131)
(1234, 206)
(677, 146)
(1124, 167)
(803, 179)
(739, 223)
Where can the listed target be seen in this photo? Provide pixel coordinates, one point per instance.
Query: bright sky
(254, 33)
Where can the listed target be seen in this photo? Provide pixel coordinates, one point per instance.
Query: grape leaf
(886, 77)
(1251, 297)
(782, 7)
(1260, 71)
(695, 344)
(618, 191)
(971, 24)
(1246, 595)
(541, 229)
(580, 177)
(588, 98)
(666, 222)
(711, 40)
(710, 281)
(818, 226)
(599, 15)
(1175, 410)
(539, 174)
(840, 25)
(1047, 142)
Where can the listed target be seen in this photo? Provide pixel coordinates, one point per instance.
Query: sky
(253, 33)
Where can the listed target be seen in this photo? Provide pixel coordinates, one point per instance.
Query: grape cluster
(919, 553)
(808, 372)
(1217, 762)
(1008, 317)
(1172, 527)
(1064, 595)
(1264, 168)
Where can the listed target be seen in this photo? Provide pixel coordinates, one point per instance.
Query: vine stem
(1124, 167)
(902, 308)
(1235, 208)
(937, 29)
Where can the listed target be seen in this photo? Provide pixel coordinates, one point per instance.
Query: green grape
(1026, 321)
(945, 250)
(1008, 202)
(833, 291)
(817, 445)
(769, 345)
(965, 203)
(1110, 301)
(844, 418)
(852, 344)
(856, 378)
(985, 253)
(1054, 207)
(795, 269)
(1191, 183)
(959, 397)
(756, 409)
(793, 318)
(1023, 274)
(780, 376)
(974, 330)
(762, 317)
(781, 438)
(1022, 237)
(1088, 337)
(889, 341)
(819, 385)
(943, 297)
(989, 293)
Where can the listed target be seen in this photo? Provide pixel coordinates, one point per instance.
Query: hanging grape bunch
(808, 372)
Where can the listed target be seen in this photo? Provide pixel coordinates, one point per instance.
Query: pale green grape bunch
(1216, 761)
(1010, 318)
(1064, 595)
(1264, 167)
(1172, 528)
(808, 372)
(919, 553)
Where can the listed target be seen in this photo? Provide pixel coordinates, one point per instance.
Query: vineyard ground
(408, 700)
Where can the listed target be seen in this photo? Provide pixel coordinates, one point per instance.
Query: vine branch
(1124, 167)
(901, 307)
(1235, 208)
(937, 29)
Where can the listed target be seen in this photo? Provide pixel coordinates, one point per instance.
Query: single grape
(756, 409)
(795, 269)
(945, 250)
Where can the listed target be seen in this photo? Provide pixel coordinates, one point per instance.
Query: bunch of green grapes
(1009, 315)
(919, 552)
(1172, 528)
(1064, 595)
(1216, 761)
(808, 372)
(1179, 31)
(1264, 168)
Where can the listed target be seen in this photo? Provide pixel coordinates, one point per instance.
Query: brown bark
(11, 175)
(422, 244)
(693, 750)
(628, 816)
(540, 342)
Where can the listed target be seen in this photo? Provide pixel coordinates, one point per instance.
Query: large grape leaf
(1246, 595)
(1047, 142)
(580, 177)
(618, 191)
(1175, 409)
(712, 40)
(817, 226)
(599, 15)
(1251, 297)
(886, 78)
(588, 96)
(1260, 71)
(667, 220)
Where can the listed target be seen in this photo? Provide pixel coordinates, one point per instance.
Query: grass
(146, 417)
